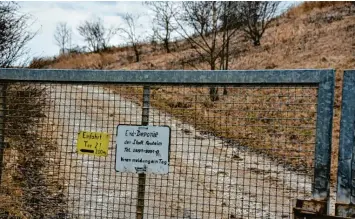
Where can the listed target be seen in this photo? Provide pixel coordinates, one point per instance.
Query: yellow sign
(93, 143)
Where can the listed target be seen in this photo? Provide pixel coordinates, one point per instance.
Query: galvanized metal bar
(346, 161)
(322, 159)
(142, 176)
(2, 125)
(168, 77)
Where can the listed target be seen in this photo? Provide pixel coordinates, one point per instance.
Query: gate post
(2, 125)
(142, 176)
(319, 203)
(323, 150)
(345, 203)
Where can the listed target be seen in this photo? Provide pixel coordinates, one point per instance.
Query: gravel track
(208, 178)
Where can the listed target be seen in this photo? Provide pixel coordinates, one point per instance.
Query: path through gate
(243, 144)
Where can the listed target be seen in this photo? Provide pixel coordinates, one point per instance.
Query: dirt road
(208, 177)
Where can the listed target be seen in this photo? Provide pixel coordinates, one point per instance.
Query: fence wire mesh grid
(246, 155)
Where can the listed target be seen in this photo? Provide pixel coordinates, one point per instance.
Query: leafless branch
(163, 24)
(256, 17)
(62, 36)
(131, 35)
(96, 35)
(14, 34)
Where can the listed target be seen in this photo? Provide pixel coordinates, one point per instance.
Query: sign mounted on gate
(93, 143)
(142, 149)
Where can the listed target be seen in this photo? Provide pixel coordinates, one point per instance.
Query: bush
(41, 62)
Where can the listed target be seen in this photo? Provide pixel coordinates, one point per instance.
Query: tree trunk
(214, 94)
(136, 52)
(213, 90)
(166, 44)
(225, 91)
(257, 41)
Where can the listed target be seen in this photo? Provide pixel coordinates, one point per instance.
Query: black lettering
(138, 142)
(147, 134)
(125, 159)
(87, 151)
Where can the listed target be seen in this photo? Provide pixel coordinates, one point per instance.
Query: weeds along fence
(249, 154)
(27, 190)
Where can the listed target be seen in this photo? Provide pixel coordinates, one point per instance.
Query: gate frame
(323, 79)
(345, 200)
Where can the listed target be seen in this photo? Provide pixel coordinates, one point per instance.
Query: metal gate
(243, 144)
(346, 162)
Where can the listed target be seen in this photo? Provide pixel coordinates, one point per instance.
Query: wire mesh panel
(237, 152)
(246, 155)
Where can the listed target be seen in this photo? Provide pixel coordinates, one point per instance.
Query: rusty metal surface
(313, 209)
(345, 210)
(312, 206)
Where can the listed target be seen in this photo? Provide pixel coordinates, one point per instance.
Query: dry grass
(312, 35)
(26, 190)
(279, 122)
(306, 7)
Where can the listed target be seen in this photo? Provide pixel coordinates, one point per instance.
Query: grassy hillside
(311, 35)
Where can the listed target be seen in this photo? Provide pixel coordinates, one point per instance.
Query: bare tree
(207, 27)
(62, 36)
(256, 17)
(131, 35)
(95, 34)
(163, 25)
(14, 34)
(230, 19)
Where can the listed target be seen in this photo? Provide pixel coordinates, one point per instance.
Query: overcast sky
(47, 14)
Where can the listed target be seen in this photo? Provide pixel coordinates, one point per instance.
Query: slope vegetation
(311, 35)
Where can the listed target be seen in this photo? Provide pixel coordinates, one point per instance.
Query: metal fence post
(142, 176)
(322, 161)
(2, 125)
(345, 203)
(319, 203)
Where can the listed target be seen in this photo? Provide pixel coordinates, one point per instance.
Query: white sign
(142, 149)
